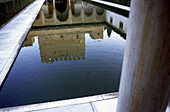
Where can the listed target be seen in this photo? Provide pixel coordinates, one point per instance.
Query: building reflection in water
(62, 9)
(62, 12)
(48, 9)
(70, 12)
(62, 47)
(76, 7)
(28, 41)
(67, 44)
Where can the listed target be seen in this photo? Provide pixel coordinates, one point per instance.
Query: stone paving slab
(60, 105)
(73, 108)
(13, 34)
(108, 105)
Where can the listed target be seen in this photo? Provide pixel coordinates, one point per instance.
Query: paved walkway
(108, 105)
(13, 34)
(97, 103)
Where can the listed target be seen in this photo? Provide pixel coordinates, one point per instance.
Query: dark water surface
(57, 63)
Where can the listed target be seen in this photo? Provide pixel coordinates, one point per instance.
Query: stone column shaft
(145, 76)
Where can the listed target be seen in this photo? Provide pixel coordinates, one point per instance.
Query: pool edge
(8, 56)
(61, 103)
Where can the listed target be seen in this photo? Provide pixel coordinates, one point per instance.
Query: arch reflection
(76, 7)
(65, 12)
(88, 9)
(62, 9)
(47, 8)
(99, 11)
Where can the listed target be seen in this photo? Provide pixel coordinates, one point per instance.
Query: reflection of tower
(62, 47)
(28, 41)
(67, 44)
(62, 9)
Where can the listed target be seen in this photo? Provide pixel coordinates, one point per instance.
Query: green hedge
(9, 8)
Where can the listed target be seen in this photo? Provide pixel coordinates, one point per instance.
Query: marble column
(145, 80)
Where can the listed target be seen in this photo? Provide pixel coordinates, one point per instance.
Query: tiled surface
(74, 108)
(108, 105)
(69, 102)
(63, 104)
(112, 4)
(97, 103)
(13, 34)
(105, 105)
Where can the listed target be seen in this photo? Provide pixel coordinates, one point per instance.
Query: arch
(99, 11)
(62, 10)
(48, 10)
(76, 9)
(62, 16)
(61, 5)
(88, 9)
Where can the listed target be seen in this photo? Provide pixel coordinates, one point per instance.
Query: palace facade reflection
(62, 12)
(67, 44)
(62, 47)
(61, 26)
(28, 41)
(70, 12)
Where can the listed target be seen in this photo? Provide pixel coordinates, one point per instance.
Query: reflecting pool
(68, 53)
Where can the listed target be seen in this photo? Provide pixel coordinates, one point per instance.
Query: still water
(63, 59)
